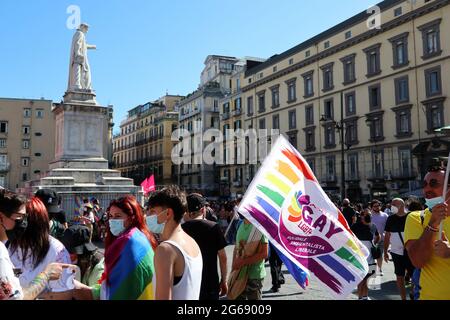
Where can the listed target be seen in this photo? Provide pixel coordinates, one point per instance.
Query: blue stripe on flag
(298, 274)
(271, 211)
(337, 267)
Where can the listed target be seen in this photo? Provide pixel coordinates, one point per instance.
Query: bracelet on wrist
(432, 229)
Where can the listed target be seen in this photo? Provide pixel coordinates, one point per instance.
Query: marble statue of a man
(80, 73)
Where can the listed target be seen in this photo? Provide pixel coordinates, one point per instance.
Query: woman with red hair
(129, 251)
(33, 249)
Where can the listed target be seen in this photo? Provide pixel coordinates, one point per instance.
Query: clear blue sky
(145, 47)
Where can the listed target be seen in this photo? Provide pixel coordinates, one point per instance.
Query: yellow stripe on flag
(355, 247)
(147, 294)
(283, 187)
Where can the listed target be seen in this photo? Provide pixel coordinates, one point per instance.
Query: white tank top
(189, 286)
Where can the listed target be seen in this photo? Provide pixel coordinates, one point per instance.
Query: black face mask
(368, 219)
(18, 230)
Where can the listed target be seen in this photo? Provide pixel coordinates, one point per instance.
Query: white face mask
(394, 209)
(116, 226)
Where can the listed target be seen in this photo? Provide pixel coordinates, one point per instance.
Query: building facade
(27, 141)
(198, 112)
(382, 89)
(143, 147)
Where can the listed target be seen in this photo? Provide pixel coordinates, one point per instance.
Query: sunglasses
(433, 183)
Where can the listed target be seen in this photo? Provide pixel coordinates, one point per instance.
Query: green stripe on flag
(347, 255)
(274, 196)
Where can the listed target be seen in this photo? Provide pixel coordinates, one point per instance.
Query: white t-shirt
(56, 253)
(7, 278)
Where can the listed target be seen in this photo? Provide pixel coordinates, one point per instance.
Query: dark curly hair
(170, 197)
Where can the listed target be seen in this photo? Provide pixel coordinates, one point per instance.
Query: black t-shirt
(364, 232)
(395, 223)
(349, 213)
(59, 216)
(210, 239)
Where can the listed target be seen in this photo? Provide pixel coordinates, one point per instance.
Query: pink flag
(144, 185)
(151, 184)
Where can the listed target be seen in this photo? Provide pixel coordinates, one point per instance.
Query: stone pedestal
(80, 168)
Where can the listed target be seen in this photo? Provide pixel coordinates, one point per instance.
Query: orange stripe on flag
(287, 171)
(296, 161)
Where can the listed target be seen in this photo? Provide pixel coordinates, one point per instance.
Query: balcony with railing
(402, 174)
(329, 178)
(237, 112)
(378, 175)
(4, 167)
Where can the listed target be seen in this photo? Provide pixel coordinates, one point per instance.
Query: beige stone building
(198, 112)
(27, 141)
(143, 146)
(384, 89)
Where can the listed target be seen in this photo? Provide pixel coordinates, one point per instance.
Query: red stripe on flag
(300, 165)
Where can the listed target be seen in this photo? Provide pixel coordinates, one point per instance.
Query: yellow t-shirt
(435, 275)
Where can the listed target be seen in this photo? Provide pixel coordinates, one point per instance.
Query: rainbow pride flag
(129, 267)
(286, 203)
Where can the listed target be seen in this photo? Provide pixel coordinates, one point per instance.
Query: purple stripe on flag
(274, 213)
(311, 264)
(337, 267)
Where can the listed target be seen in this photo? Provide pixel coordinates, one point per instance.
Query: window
(293, 139)
(25, 162)
(275, 96)
(373, 60)
(308, 54)
(435, 115)
(312, 164)
(352, 160)
(329, 136)
(329, 109)
(433, 82)
(376, 126)
(291, 61)
(375, 97)
(397, 11)
(400, 50)
(250, 106)
(262, 123)
(27, 113)
(309, 115)
(378, 163)
(327, 72)
(308, 83)
(25, 144)
(3, 127)
(403, 121)
(348, 35)
(292, 120)
(292, 95)
(350, 104)
(348, 63)
(24, 177)
(26, 130)
(405, 162)
(38, 154)
(431, 39)
(275, 69)
(310, 139)
(330, 168)
(351, 132)
(276, 122)
(326, 44)
(402, 90)
(226, 108)
(261, 102)
(2, 143)
(237, 104)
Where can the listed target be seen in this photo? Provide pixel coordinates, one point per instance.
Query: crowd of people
(173, 247)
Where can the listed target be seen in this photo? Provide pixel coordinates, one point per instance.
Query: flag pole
(447, 172)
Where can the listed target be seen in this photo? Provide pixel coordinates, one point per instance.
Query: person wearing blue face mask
(425, 250)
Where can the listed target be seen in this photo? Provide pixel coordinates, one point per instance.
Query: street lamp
(340, 126)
